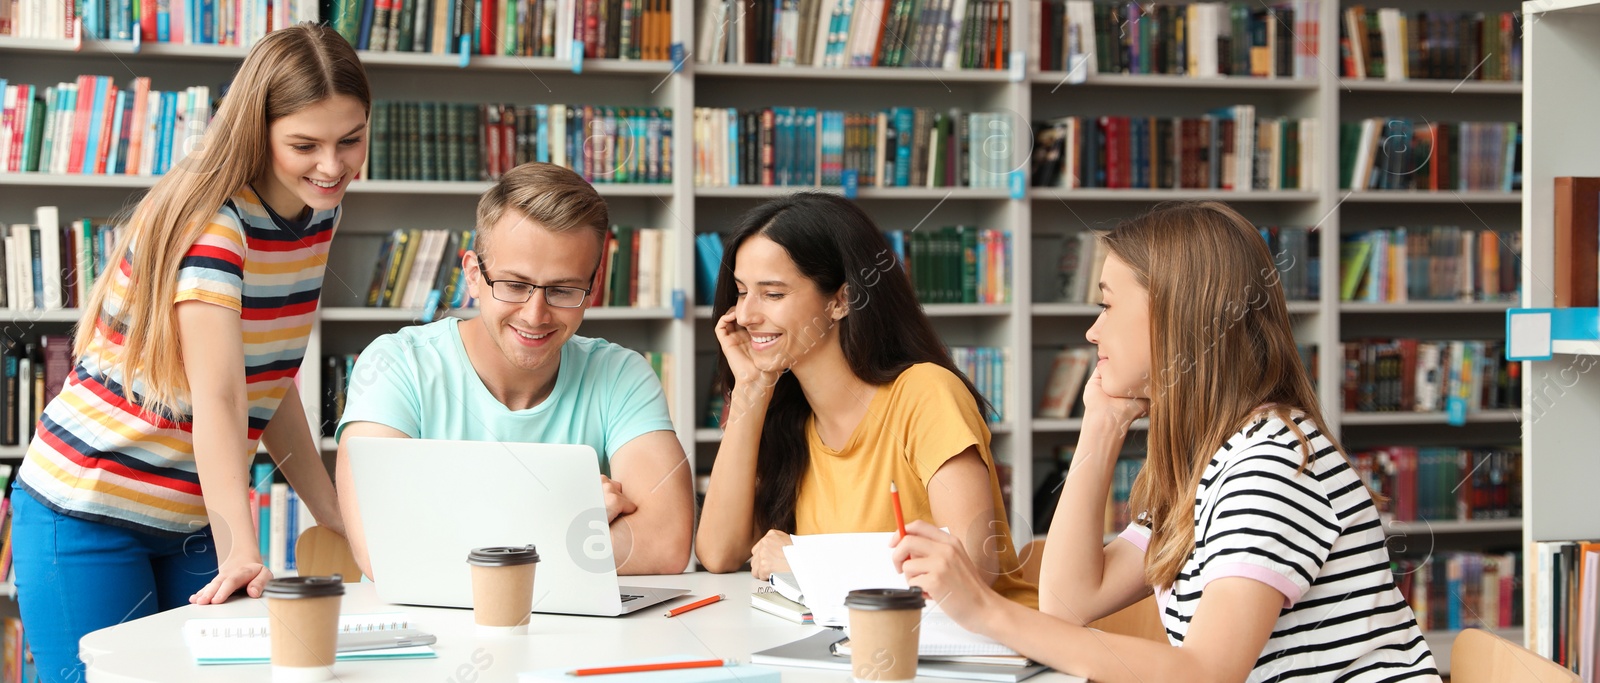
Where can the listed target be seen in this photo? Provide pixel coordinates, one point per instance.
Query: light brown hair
(288, 70)
(552, 196)
(1221, 345)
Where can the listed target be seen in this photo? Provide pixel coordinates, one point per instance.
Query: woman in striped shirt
(187, 349)
(1262, 544)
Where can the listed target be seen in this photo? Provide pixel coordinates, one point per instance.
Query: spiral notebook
(248, 640)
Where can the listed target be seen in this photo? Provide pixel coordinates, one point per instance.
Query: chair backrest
(1479, 656)
(1141, 619)
(321, 552)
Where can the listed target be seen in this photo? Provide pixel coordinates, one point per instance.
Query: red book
(597, 295)
(491, 139)
(141, 98)
(487, 29)
(508, 138)
(591, 28)
(147, 20)
(633, 270)
(108, 136)
(80, 123)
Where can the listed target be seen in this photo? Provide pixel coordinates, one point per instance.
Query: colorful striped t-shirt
(97, 456)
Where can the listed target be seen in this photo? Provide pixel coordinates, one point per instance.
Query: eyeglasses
(517, 292)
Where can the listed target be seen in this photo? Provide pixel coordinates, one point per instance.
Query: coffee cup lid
(304, 587)
(884, 599)
(503, 556)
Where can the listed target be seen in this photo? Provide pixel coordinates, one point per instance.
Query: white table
(151, 650)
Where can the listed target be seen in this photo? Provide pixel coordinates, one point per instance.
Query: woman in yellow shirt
(838, 385)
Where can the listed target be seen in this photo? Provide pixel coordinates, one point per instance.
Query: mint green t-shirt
(419, 381)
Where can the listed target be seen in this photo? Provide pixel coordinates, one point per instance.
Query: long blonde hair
(288, 70)
(1220, 346)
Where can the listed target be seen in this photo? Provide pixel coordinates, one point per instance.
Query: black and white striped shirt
(1315, 537)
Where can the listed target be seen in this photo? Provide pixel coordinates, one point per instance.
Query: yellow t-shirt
(913, 425)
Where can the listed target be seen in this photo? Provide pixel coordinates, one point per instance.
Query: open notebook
(248, 640)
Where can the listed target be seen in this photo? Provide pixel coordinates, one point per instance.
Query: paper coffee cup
(502, 588)
(303, 618)
(884, 633)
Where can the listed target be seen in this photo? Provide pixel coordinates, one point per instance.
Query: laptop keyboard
(630, 598)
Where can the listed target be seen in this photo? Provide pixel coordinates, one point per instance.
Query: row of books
(987, 367)
(217, 22)
(1438, 263)
(897, 147)
(1071, 367)
(1457, 590)
(1440, 483)
(1565, 589)
(610, 29)
(1295, 254)
(32, 371)
(961, 264)
(16, 660)
(1411, 375)
(1400, 154)
(1200, 39)
(1396, 44)
(839, 34)
(453, 141)
(91, 126)
(278, 517)
(1227, 149)
(50, 266)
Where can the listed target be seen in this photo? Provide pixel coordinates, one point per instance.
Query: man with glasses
(518, 372)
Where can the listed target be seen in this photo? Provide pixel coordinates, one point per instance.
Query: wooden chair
(321, 552)
(1141, 619)
(1479, 656)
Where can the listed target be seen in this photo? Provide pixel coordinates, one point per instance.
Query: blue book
(740, 673)
(293, 501)
(97, 115)
(904, 123)
(261, 473)
(114, 154)
(208, 22)
(541, 150)
(366, 24)
(733, 147)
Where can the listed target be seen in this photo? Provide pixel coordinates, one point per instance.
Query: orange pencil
(899, 517)
(634, 668)
(694, 605)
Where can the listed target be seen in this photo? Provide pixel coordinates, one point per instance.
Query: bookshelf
(1560, 396)
(1032, 324)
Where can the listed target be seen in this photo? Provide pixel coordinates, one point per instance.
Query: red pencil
(899, 517)
(633, 668)
(694, 605)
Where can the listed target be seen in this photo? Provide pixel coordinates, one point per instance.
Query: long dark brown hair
(834, 244)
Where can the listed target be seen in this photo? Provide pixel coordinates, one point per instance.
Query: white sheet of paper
(829, 566)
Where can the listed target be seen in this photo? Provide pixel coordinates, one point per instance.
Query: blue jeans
(75, 576)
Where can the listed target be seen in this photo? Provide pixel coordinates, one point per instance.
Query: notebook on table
(816, 652)
(248, 640)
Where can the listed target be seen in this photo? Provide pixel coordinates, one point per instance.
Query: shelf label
(677, 55)
(1531, 333)
(1078, 69)
(577, 56)
(851, 182)
(680, 304)
(1017, 183)
(77, 34)
(465, 50)
(1455, 411)
(1019, 66)
(138, 39)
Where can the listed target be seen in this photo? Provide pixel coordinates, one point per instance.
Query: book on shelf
(1450, 591)
(33, 369)
(92, 127)
(1429, 376)
(1442, 483)
(1382, 153)
(1577, 242)
(1296, 255)
(614, 29)
(1063, 385)
(278, 516)
(895, 147)
(49, 265)
(987, 367)
(1226, 149)
(448, 141)
(1204, 39)
(16, 660)
(955, 264)
(708, 252)
(1435, 263)
(1397, 44)
(1561, 624)
(844, 34)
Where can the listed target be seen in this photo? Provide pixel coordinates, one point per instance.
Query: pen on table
(899, 517)
(665, 666)
(694, 605)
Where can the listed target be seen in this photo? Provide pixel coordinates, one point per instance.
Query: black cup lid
(305, 587)
(503, 556)
(884, 599)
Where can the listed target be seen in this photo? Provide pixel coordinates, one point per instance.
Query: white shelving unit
(1031, 325)
(1560, 396)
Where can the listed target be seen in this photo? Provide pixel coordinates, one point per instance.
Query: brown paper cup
(305, 637)
(502, 597)
(884, 637)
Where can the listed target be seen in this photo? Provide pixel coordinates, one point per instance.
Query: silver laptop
(426, 503)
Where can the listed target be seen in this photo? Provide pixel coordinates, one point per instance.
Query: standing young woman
(133, 496)
(1262, 543)
(839, 385)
